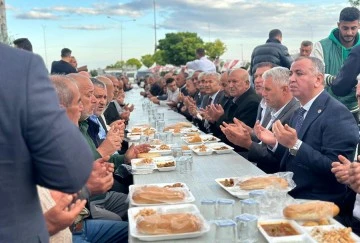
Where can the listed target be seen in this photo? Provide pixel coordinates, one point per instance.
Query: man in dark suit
(243, 105)
(38, 145)
(281, 105)
(320, 130)
(63, 66)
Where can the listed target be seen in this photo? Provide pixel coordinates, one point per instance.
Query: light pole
(155, 26)
(44, 28)
(121, 35)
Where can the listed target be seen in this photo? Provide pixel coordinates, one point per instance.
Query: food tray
(214, 147)
(160, 151)
(164, 159)
(184, 208)
(204, 139)
(189, 197)
(196, 150)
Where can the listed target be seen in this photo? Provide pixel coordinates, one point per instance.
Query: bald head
(109, 87)
(238, 82)
(118, 85)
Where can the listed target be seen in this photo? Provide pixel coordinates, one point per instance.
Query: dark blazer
(38, 145)
(259, 153)
(329, 129)
(62, 67)
(111, 114)
(244, 109)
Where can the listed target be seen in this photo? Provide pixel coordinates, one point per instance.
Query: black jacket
(272, 51)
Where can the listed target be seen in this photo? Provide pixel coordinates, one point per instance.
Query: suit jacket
(38, 145)
(244, 109)
(329, 129)
(111, 114)
(259, 153)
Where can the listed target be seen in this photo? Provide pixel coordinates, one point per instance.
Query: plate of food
(201, 149)
(241, 186)
(165, 163)
(161, 149)
(209, 138)
(221, 148)
(143, 164)
(159, 194)
(196, 139)
(332, 234)
(282, 230)
(168, 222)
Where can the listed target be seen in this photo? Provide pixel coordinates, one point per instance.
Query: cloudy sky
(85, 28)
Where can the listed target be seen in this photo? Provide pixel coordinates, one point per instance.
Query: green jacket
(116, 159)
(334, 56)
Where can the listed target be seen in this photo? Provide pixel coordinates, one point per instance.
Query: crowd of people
(297, 114)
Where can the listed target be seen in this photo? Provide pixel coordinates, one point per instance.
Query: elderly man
(114, 111)
(243, 105)
(203, 64)
(55, 204)
(281, 103)
(314, 137)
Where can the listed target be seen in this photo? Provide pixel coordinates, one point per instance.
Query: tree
(147, 60)
(93, 73)
(179, 48)
(158, 57)
(354, 3)
(134, 62)
(215, 49)
(118, 64)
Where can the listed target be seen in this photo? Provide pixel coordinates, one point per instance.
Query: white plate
(235, 190)
(329, 227)
(160, 151)
(184, 208)
(198, 152)
(302, 237)
(189, 197)
(213, 146)
(204, 139)
(136, 166)
(133, 137)
(161, 160)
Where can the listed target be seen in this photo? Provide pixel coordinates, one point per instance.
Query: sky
(92, 28)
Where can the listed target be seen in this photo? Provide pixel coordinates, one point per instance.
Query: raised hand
(264, 135)
(341, 169)
(285, 135)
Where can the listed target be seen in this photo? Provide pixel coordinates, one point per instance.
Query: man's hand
(101, 178)
(285, 135)
(130, 107)
(181, 97)
(125, 115)
(237, 133)
(133, 151)
(341, 169)
(354, 176)
(155, 100)
(111, 144)
(119, 127)
(63, 214)
(215, 112)
(264, 135)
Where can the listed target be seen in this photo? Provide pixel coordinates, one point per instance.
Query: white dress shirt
(171, 96)
(202, 64)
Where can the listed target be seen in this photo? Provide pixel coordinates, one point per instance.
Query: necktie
(209, 102)
(299, 119)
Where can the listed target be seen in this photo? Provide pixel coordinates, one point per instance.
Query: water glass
(250, 206)
(162, 137)
(208, 209)
(225, 231)
(277, 200)
(247, 230)
(182, 164)
(169, 137)
(225, 208)
(160, 116)
(144, 139)
(261, 197)
(176, 151)
(160, 125)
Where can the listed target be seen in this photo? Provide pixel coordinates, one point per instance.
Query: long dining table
(201, 180)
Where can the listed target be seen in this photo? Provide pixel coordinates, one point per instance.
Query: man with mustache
(334, 50)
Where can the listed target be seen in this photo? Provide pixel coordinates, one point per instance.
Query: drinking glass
(225, 231)
(225, 208)
(247, 230)
(208, 209)
(250, 206)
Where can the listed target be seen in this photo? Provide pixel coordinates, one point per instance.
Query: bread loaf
(156, 194)
(315, 210)
(174, 223)
(263, 182)
(148, 155)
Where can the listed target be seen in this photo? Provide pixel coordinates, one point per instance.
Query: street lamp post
(121, 33)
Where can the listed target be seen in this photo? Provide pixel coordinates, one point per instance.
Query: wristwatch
(293, 151)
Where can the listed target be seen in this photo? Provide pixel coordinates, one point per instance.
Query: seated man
(172, 94)
(278, 98)
(320, 130)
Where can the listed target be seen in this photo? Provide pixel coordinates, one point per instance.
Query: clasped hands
(238, 133)
(347, 172)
